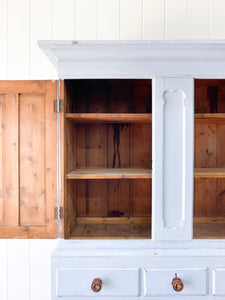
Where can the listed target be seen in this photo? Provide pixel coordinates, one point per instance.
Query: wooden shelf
(109, 118)
(210, 117)
(110, 173)
(111, 231)
(209, 173)
(113, 220)
(209, 231)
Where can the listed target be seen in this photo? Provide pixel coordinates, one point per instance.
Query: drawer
(218, 282)
(158, 281)
(115, 282)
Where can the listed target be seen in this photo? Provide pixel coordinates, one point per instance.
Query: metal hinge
(58, 105)
(58, 212)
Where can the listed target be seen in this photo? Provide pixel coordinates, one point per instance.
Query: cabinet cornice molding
(98, 59)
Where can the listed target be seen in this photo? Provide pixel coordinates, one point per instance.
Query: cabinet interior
(108, 147)
(209, 176)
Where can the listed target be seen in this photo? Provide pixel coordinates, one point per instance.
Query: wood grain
(32, 159)
(109, 173)
(209, 172)
(205, 145)
(205, 197)
(112, 231)
(9, 169)
(109, 118)
(28, 150)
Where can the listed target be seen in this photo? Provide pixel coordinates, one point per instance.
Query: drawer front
(115, 282)
(158, 282)
(218, 281)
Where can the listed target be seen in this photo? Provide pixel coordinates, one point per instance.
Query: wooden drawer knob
(96, 285)
(177, 284)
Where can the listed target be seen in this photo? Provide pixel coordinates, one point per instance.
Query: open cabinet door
(28, 159)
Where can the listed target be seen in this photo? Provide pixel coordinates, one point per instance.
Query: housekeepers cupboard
(128, 169)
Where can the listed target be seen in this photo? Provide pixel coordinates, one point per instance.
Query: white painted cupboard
(171, 93)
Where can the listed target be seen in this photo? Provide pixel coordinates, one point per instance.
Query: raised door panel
(28, 154)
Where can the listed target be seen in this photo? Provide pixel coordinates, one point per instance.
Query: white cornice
(117, 58)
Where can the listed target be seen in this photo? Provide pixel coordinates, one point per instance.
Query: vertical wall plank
(18, 39)
(40, 276)
(40, 29)
(3, 269)
(18, 269)
(108, 20)
(153, 19)
(217, 24)
(198, 25)
(3, 39)
(130, 19)
(63, 20)
(175, 19)
(86, 19)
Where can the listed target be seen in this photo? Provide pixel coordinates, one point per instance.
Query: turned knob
(96, 285)
(177, 284)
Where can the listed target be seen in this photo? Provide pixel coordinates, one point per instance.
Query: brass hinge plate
(58, 212)
(58, 105)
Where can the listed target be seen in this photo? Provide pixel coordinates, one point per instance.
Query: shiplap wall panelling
(40, 272)
(153, 20)
(63, 23)
(18, 39)
(198, 19)
(86, 19)
(108, 19)
(131, 19)
(176, 19)
(40, 29)
(18, 270)
(3, 269)
(3, 39)
(217, 19)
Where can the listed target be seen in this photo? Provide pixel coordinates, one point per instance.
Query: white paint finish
(3, 39)
(86, 19)
(63, 20)
(217, 19)
(40, 253)
(40, 28)
(108, 59)
(24, 22)
(18, 39)
(18, 270)
(176, 19)
(130, 19)
(158, 281)
(115, 282)
(153, 20)
(3, 269)
(174, 104)
(198, 19)
(172, 202)
(218, 281)
(108, 19)
(25, 269)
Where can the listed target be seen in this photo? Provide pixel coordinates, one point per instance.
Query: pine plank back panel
(28, 139)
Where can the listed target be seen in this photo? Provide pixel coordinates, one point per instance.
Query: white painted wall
(25, 264)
